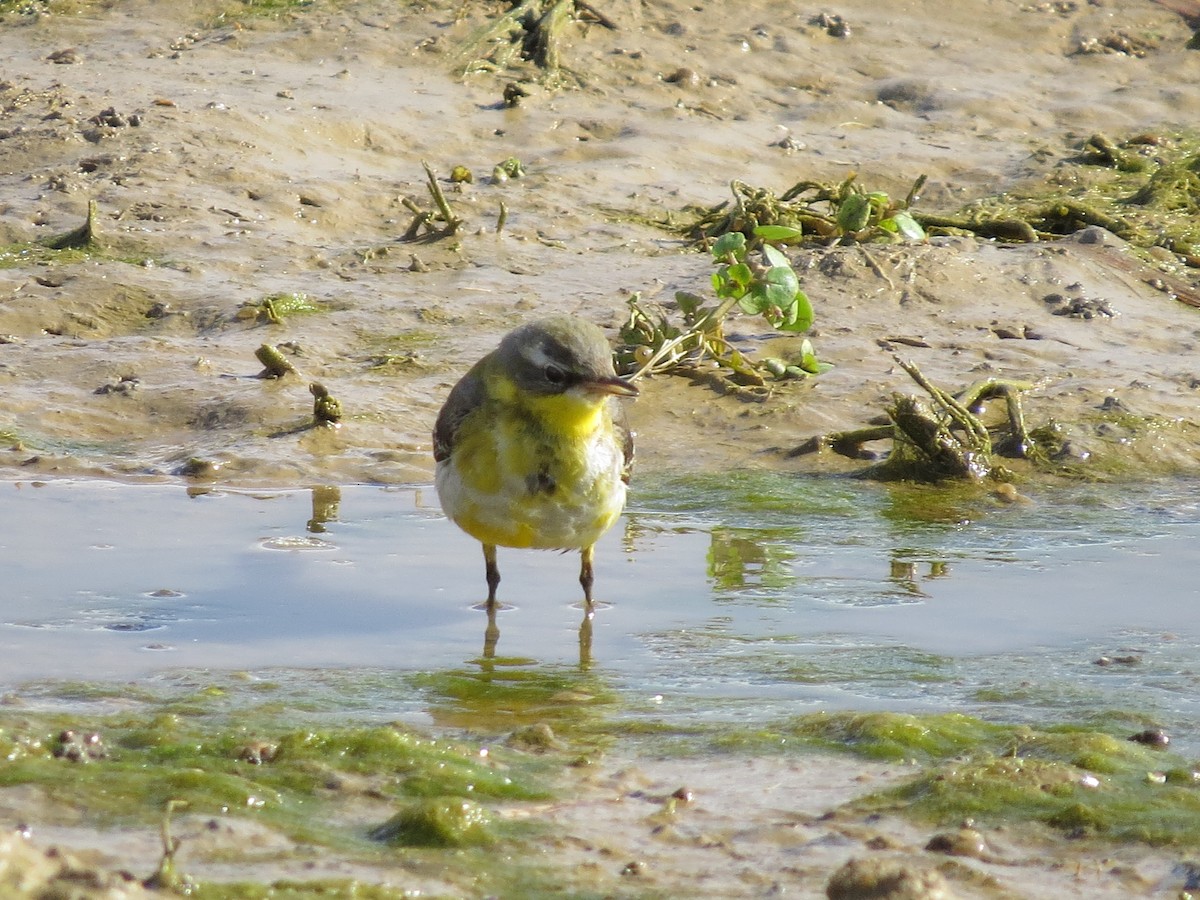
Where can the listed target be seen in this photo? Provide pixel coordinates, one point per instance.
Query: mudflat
(236, 157)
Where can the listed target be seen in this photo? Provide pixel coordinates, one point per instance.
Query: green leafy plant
(772, 291)
(813, 212)
(860, 212)
(754, 276)
(530, 31)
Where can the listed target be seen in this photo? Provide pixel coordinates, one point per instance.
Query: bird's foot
(493, 606)
(590, 606)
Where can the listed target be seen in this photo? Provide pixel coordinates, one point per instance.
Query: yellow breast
(539, 472)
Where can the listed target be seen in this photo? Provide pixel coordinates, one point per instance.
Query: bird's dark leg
(585, 576)
(493, 573)
(585, 627)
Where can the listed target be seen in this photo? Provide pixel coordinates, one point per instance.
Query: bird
(531, 445)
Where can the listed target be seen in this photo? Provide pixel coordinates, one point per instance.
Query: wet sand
(274, 155)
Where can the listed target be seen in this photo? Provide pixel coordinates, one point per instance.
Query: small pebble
(964, 842)
(684, 77)
(1152, 737)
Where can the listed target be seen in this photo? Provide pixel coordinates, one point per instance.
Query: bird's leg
(585, 627)
(586, 578)
(493, 574)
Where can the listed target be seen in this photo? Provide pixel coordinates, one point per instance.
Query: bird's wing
(465, 397)
(624, 437)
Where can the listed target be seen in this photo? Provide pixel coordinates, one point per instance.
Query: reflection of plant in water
(740, 558)
(904, 572)
(326, 500)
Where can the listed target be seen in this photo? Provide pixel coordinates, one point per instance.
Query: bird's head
(562, 357)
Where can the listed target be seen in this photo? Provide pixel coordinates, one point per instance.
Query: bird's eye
(554, 374)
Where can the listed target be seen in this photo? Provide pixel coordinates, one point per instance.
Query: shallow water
(744, 600)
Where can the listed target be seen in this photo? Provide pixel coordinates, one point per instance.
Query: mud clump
(885, 879)
(26, 871)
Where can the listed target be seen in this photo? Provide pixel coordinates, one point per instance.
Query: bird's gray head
(561, 354)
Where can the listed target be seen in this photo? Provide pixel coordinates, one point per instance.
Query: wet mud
(235, 159)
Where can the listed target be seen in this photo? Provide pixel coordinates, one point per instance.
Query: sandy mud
(236, 160)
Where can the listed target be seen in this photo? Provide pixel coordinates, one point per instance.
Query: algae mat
(303, 674)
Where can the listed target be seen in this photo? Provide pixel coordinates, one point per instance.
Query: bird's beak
(614, 385)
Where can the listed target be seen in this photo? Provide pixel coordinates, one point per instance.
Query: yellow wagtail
(531, 445)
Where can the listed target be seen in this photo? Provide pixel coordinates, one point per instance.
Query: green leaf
(742, 366)
(879, 199)
(740, 275)
(808, 359)
(781, 285)
(732, 281)
(908, 226)
(775, 257)
(808, 356)
(783, 233)
(732, 242)
(854, 213)
(799, 315)
(754, 302)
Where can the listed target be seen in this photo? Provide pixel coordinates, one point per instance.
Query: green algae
(1073, 780)
(215, 750)
(275, 775)
(37, 443)
(220, 749)
(227, 12)
(767, 497)
(1145, 189)
(219, 12)
(33, 8)
(321, 889)
(13, 256)
(880, 665)
(399, 353)
(507, 694)
(1067, 778)
(438, 822)
(275, 308)
(893, 736)
(78, 245)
